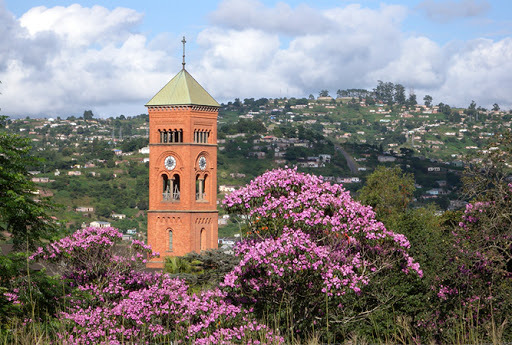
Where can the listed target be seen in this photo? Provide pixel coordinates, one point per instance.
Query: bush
(113, 301)
(309, 249)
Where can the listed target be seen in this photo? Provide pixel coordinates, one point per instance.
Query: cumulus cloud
(282, 19)
(82, 26)
(249, 55)
(479, 70)
(445, 11)
(62, 60)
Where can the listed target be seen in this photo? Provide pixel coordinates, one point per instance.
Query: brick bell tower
(182, 215)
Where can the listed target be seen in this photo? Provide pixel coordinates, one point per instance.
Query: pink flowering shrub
(115, 302)
(93, 254)
(164, 310)
(482, 261)
(307, 241)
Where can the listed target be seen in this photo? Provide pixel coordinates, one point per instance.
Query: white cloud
(445, 11)
(480, 71)
(82, 26)
(353, 48)
(63, 60)
(256, 62)
(282, 19)
(420, 63)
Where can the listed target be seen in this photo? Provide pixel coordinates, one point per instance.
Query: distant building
(144, 150)
(326, 158)
(84, 209)
(99, 224)
(40, 179)
(386, 159)
(118, 216)
(226, 189)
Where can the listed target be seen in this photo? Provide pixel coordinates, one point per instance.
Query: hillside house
(226, 189)
(99, 224)
(386, 159)
(84, 209)
(257, 154)
(40, 179)
(326, 158)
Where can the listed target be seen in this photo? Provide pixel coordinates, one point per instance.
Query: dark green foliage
(323, 93)
(130, 145)
(388, 190)
(206, 269)
(39, 294)
(244, 126)
(21, 214)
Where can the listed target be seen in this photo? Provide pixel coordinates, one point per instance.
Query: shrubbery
(313, 263)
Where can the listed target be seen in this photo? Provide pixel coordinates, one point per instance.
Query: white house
(99, 224)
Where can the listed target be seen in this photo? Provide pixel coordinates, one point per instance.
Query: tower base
(172, 233)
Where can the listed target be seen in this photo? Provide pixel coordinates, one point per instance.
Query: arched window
(203, 244)
(200, 192)
(169, 231)
(205, 187)
(201, 136)
(171, 135)
(175, 184)
(166, 188)
(171, 188)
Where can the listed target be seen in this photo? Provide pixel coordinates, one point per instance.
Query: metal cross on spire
(183, 41)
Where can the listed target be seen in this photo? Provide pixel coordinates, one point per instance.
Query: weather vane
(183, 41)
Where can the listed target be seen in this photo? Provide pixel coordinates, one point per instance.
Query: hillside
(97, 168)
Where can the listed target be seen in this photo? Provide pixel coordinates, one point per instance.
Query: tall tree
(411, 101)
(21, 215)
(324, 93)
(88, 115)
(399, 95)
(428, 100)
(388, 191)
(384, 92)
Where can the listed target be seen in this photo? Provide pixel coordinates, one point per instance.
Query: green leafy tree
(88, 115)
(428, 100)
(399, 96)
(388, 190)
(323, 93)
(21, 215)
(384, 92)
(471, 111)
(495, 107)
(411, 101)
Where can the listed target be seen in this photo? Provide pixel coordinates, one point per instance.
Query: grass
(18, 332)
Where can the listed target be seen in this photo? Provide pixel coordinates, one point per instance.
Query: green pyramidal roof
(183, 89)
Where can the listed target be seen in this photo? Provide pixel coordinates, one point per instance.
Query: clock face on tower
(170, 163)
(202, 163)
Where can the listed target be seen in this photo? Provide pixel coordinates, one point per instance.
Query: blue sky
(112, 56)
